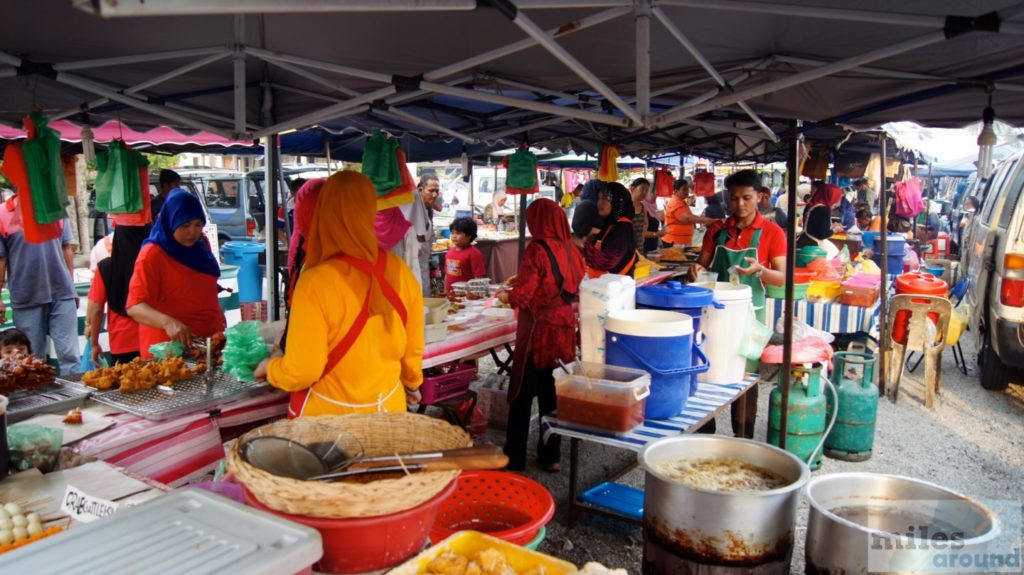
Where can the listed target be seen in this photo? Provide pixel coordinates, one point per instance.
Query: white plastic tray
(187, 531)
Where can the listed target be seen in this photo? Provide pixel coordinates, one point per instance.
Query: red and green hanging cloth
(45, 172)
(607, 167)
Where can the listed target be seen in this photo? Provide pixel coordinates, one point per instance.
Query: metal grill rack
(49, 398)
(186, 396)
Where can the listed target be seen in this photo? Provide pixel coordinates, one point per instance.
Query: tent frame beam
(526, 24)
(883, 73)
(642, 17)
(683, 112)
(138, 58)
(238, 69)
(327, 113)
(820, 12)
(709, 68)
(130, 8)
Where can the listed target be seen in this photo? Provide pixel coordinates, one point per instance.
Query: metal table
(708, 402)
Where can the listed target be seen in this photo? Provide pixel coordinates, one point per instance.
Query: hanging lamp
(986, 140)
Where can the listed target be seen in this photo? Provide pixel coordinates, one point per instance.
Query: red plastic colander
(498, 503)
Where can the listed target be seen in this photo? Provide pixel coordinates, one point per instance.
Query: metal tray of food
(186, 396)
(51, 398)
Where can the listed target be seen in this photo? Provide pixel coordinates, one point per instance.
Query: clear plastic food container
(602, 397)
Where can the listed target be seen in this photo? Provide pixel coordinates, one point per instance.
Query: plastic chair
(956, 295)
(919, 308)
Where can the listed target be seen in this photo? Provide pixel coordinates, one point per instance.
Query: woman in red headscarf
(547, 284)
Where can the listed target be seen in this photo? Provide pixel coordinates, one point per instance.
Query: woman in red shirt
(173, 293)
(109, 288)
(547, 283)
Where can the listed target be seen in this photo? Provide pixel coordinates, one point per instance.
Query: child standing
(464, 261)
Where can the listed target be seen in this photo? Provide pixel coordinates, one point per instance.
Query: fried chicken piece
(491, 561)
(448, 564)
(74, 417)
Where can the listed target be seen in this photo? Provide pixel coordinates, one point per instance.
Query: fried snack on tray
(138, 375)
(486, 562)
(24, 373)
(672, 255)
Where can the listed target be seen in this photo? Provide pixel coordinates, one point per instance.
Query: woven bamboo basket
(380, 434)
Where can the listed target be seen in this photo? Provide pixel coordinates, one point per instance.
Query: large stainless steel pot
(685, 526)
(860, 522)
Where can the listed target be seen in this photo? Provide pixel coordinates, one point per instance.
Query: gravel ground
(972, 442)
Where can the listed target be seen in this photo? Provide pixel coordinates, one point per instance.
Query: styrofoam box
(187, 531)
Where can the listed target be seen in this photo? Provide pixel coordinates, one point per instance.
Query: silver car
(993, 257)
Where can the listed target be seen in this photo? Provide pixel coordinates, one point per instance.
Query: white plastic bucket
(723, 334)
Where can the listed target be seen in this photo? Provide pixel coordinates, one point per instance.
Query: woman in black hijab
(110, 287)
(613, 250)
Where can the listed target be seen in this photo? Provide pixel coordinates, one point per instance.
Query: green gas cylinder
(806, 417)
(853, 435)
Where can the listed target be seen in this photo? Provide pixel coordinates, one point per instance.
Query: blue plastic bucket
(686, 299)
(246, 255)
(660, 343)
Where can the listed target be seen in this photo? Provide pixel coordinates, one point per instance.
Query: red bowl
(498, 503)
(364, 544)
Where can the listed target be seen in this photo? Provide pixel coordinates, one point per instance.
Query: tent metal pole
(708, 67)
(509, 49)
(271, 182)
(128, 8)
(302, 72)
(402, 114)
(319, 65)
(8, 72)
(238, 64)
(792, 167)
(683, 112)
(848, 15)
(327, 113)
(643, 58)
(138, 58)
(10, 60)
(204, 114)
(563, 111)
(555, 49)
(163, 112)
(883, 298)
(520, 129)
(180, 71)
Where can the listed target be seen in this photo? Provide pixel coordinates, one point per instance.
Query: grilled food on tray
(138, 375)
(24, 373)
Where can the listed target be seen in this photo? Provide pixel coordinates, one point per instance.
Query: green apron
(725, 258)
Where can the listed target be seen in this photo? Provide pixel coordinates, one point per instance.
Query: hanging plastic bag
(244, 350)
(802, 331)
(17, 173)
(607, 163)
(908, 198)
(34, 446)
(522, 170)
(403, 194)
(704, 184)
(756, 336)
(663, 183)
(166, 350)
(86, 364)
(380, 163)
(45, 171)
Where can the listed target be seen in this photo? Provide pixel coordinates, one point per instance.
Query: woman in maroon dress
(547, 284)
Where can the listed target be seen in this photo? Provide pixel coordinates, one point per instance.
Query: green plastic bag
(380, 163)
(522, 170)
(35, 446)
(166, 350)
(244, 350)
(45, 172)
(118, 187)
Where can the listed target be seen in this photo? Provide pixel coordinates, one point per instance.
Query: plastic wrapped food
(166, 350)
(35, 446)
(245, 349)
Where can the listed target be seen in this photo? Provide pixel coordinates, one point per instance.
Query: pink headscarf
(650, 204)
(305, 207)
(391, 226)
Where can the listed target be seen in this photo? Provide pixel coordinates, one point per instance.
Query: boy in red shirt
(464, 261)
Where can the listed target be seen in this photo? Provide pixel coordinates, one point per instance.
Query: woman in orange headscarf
(355, 336)
(547, 284)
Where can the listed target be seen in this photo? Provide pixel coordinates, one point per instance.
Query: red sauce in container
(593, 412)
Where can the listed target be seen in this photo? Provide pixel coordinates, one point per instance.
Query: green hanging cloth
(380, 163)
(45, 171)
(522, 170)
(118, 185)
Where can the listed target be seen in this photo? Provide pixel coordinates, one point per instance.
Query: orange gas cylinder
(916, 283)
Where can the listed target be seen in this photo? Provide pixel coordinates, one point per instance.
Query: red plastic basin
(498, 503)
(365, 544)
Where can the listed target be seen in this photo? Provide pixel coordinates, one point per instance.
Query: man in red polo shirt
(755, 250)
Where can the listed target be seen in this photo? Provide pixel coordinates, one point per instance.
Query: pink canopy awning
(114, 130)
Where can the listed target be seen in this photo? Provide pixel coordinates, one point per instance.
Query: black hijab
(118, 268)
(622, 203)
(817, 227)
